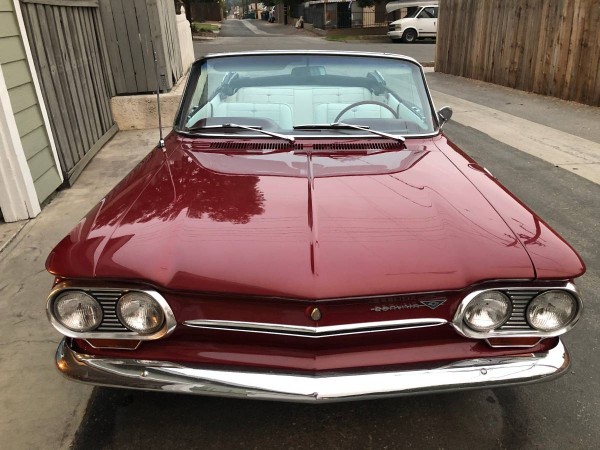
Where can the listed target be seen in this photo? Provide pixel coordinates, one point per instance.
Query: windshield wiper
(243, 127)
(342, 125)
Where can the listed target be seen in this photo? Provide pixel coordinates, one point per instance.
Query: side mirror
(444, 115)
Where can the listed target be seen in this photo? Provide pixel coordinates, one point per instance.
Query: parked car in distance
(419, 22)
(307, 233)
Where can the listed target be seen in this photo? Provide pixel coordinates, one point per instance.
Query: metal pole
(161, 141)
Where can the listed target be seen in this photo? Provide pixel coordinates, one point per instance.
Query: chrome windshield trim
(309, 52)
(305, 387)
(314, 331)
(461, 327)
(299, 137)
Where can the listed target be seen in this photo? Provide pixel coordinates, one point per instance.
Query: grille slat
(108, 303)
(520, 300)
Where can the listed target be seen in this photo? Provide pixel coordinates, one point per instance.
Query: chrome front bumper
(298, 387)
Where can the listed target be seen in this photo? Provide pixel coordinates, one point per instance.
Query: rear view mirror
(444, 115)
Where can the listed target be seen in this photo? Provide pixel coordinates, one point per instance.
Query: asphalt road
(564, 413)
(241, 35)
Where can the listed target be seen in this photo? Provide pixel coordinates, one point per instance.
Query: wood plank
(593, 86)
(77, 67)
(97, 75)
(90, 63)
(579, 53)
(55, 61)
(73, 90)
(101, 98)
(105, 66)
(135, 45)
(146, 41)
(124, 50)
(71, 3)
(528, 61)
(519, 34)
(573, 60)
(107, 72)
(51, 99)
(112, 47)
(540, 65)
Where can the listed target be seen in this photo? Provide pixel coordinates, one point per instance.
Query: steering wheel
(365, 102)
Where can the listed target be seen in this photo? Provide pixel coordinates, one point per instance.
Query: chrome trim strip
(314, 331)
(300, 387)
(462, 328)
(167, 328)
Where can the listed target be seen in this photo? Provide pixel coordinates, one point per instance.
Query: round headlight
(551, 310)
(77, 311)
(140, 313)
(487, 311)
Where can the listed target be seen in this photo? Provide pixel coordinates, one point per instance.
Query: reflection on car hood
(295, 225)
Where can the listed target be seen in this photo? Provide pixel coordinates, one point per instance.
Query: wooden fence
(130, 27)
(550, 47)
(67, 45)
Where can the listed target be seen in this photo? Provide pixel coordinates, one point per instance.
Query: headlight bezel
(475, 299)
(124, 320)
(571, 318)
(61, 321)
(116, 289)
(463, 329)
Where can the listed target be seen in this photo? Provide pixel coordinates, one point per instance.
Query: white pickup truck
(419, 21)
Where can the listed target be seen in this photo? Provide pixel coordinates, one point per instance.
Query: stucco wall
(186, 44)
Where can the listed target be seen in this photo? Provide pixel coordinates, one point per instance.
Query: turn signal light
(513, 341)
(122, 344)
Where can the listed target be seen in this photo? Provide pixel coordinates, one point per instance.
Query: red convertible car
(307, 233)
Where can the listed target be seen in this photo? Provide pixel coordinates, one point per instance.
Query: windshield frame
(179, 123)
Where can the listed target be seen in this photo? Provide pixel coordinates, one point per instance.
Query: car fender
(410, 28)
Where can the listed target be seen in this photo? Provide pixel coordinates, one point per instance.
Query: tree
(367, 3)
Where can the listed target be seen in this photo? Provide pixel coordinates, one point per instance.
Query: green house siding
(25, 106)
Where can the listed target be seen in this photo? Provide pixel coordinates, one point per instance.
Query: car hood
(295, 225)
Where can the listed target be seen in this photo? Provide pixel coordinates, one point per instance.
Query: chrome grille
(108, 302)
(520, 299)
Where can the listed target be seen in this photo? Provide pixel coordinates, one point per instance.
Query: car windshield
(303, 94)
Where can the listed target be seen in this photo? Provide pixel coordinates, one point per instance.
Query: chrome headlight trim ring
(167, 328)
(463, 329)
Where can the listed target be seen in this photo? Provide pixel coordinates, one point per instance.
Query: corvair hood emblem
(431, 304)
